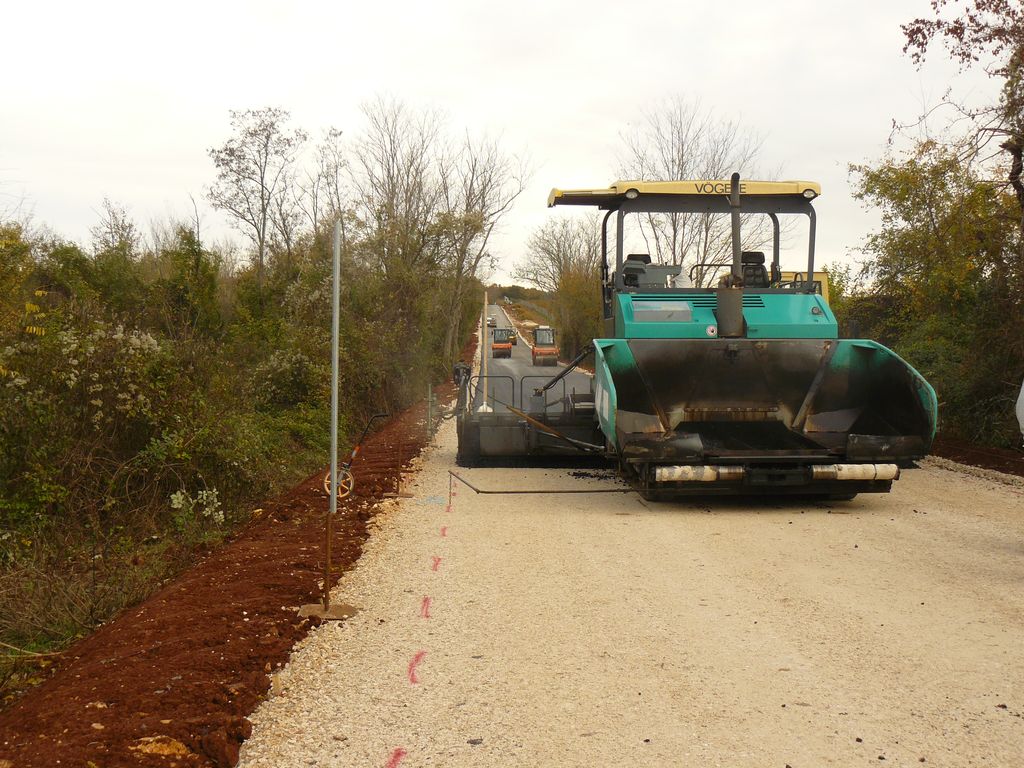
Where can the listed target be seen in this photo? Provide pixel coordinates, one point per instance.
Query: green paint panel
(612, 359)
(864, 362)
(768, 316)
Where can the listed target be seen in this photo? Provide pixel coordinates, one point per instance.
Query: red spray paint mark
(396, 757)
(425, 608)
(444, 531)
(436, 562)
(413, 664)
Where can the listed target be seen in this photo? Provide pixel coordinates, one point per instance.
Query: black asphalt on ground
(510, 380)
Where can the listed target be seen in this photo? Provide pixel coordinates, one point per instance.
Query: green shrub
(284, 380)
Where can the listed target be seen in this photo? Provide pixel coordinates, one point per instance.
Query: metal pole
(487, 342)
(737, 242)
(484, 345)
(810, 250)
(335, 311)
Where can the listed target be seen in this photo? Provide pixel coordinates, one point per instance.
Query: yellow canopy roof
(618, 190)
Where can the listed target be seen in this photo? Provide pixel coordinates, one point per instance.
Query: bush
(284, 380)
(943, 280)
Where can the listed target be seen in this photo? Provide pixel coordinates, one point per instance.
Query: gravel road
(600, 630)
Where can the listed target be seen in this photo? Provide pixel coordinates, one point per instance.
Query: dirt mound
(1005, 460)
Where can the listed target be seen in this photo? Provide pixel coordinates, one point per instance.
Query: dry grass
(526, 314)
(59, 588)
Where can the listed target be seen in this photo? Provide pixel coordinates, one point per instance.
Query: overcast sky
(123, 99)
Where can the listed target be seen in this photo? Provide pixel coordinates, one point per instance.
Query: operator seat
(633, 267)
(754, 273)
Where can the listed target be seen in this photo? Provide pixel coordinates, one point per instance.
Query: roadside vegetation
(943, 284)
(942, 281)
(154, 388)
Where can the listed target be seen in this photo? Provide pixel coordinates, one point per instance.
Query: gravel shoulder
(601, 630)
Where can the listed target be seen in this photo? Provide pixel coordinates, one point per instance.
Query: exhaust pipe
(730, 290)
(696, 473)
(737, 242)
(856, 472)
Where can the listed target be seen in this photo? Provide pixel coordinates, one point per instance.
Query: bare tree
(197, 221)
(425, 207)
(322, 191)
(563, 257)
(990, 31)
(161, 235)
(115, 230)
(286, 213)
(561, 249)
(14, 207)
(681, 140)
(479, 185)
(395, 179)
(253, 171)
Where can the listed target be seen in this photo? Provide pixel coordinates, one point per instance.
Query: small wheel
(346, 482)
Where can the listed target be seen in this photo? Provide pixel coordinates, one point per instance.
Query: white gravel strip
(598, 630)
(979, 472)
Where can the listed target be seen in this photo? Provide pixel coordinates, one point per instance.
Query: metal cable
(472, 487)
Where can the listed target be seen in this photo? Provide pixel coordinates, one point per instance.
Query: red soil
(1000, 459)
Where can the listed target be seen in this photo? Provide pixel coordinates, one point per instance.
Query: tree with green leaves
(945, 265)
(188, 295)
(115, 230)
